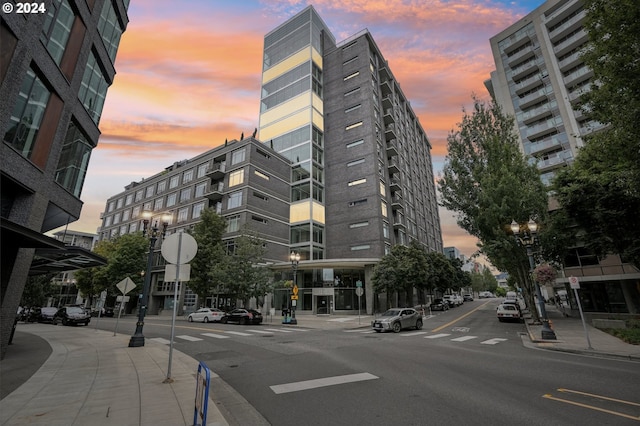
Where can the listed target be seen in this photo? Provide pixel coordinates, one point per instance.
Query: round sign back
(185, 242)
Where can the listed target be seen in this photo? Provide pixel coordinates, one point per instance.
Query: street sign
(358, 283)
(359, 291)
(574, 282)
(172, 243)
(126, 285)
(293, 297)
(295, 290)
(122, 299)
(170, 272)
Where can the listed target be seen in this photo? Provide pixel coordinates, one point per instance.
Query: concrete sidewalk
(63, 376)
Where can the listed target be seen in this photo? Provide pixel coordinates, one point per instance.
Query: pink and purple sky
(188, 77)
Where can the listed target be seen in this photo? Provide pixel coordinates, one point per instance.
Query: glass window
(116, 218)
(187, 176)
(183, 214)
(158, 204)
(236, 177)
(357, 182)
(383, 189)
(185, 194)
(355, 162)
(126, 215)
(355, 143)
(148, 192)
(133, 227)
(171, 199)
(112, 206)
(201, 189)
(139, 195)
(300, 233)
(197, 210)
(57, 27)
(260, 174)
(350, 76)
(301, 191)
(162, 186)
(93, 88)
(237, 156)
(27, 114)
(147, 206)
(128, 200)
(233, 223)
(353, 126)
(74, 160)
(385, 229)
(110, 30)
(235, 200)
(361, 247)
(383, 206)
(173, 182)
(119, 203)
(202, 170)
(358, 224)
(352, 108)
(136, 212)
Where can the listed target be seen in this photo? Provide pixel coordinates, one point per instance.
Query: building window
(235, 200)
(171, 199)
(357, 182)
(317, 136)
(27, 114)
(358, 224)
(300, 234)
(158, 204)
(197, 210)
(107, 220)
(57, 27)
(357, 202)
(237, 156)
(260, 196)
(233, 223)
(147, 206)
(352, 92)
(200, 189)
(263, 153)
(385, 229)
(187, 176)
(126, 215)
(259, 219)
(112, 206)
(361, 247)
(119, 203)
(352, 75)
(162, 186)
(355, 143)
(202, 170)
(116, 218)
(148, 192)
(110, 30)
(74, 160)
(185, 195)
(173, 182)
(353, 108)
(236, 177)
(355, 162)
(348, 61)
(383, 189)
(353, 126)
(93, 88)
(128, 200)
(301, 191)
(139, 195)
(133, 227)
(260, 174)
(183, 214)
(383, 207)
(136, 212)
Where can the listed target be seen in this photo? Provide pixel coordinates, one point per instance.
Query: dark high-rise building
(55, 68)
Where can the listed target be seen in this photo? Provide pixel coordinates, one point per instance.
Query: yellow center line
(599, 397)
(591, 407)
(435, 330)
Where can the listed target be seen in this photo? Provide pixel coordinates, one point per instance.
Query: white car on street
(206, 315)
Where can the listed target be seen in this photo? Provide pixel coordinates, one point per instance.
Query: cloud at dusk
(188, 77)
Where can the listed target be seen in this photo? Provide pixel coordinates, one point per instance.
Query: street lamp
(295, 260)
(528, 238)
(137, 339)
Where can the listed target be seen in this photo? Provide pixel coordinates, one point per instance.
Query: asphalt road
(464, 368)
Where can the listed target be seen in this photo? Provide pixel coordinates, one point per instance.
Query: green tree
(441, 272)
(209, 267)
(36, 290)
(600, 191)
(400, 271)
(488, 182)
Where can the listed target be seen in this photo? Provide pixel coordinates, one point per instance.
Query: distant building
(539, 78)
(55, 70)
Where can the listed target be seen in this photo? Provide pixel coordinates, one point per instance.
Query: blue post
(202, 395)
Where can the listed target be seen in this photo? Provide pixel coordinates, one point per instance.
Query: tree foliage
(600, 191)
(488, 183)
(37, 289)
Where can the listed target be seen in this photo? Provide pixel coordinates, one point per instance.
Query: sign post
(575, 285)
(359, 292)
(125, 286)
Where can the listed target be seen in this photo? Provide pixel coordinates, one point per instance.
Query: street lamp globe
(532, 225)
(515, 228)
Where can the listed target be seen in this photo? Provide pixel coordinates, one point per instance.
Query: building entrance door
(323, 305)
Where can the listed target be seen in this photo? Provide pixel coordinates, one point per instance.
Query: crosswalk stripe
(464, 338)
(217, 336)
(287, 330)
(237, 333)
(161, 340)
(260, 331)
(437, 336)
(493, 341)
(415, 333)
(189, 338)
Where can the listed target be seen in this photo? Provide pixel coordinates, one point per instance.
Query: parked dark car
(71, 315)
(439, 305)
(467, 297)
(242, 316)
(47, 314)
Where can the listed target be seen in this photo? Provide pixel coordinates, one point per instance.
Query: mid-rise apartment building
(55, 69)
(539, 78)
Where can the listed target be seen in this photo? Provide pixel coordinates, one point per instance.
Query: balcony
(570, 61)
(388, 117)
(385, 88)
(553, 162)
(384, 73)
(576, 40)
(390, 132)
(532, 98)
(393, 167)
(387, 102)
(398, 223)
(541, 129)
(534, 114)
(549, 144)
(217, 171)
(522, 55)
(392, 151)
(571, 25)
(528, 84)
(524, 69)
(394, 185)
(217, 192)
(397, 203)
(582, 74)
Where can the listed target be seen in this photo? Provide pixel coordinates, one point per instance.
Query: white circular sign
(359, 291)
(185, 242)
(574, 282)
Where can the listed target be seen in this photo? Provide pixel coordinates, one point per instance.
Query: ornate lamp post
(295, 260)
(528, 238)
(137, 339)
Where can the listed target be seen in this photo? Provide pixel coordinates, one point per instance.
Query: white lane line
(217, 336)
(464, 338)
(161, 340)
(437, 336)
(189, 338)
(341, 319)
(359, 330)
(415, 333)
(493, 341)
(318, 383)
(237, 333)
(260, 331)
(288, 330)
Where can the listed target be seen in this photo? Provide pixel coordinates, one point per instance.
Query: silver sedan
(396, 319)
